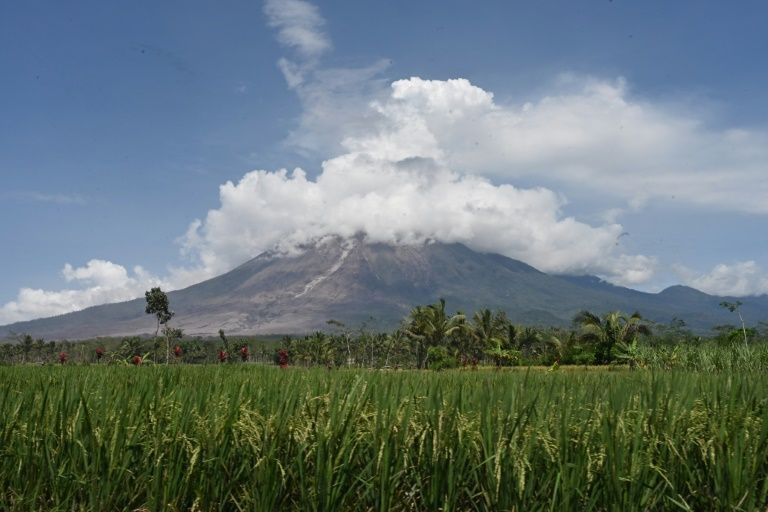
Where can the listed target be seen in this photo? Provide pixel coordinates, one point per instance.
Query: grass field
(249, 437)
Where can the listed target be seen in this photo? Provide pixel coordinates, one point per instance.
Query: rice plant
(246, 437)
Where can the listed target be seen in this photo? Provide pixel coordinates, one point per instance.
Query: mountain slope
(357, 282)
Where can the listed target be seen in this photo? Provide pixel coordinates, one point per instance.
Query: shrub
(438, 358)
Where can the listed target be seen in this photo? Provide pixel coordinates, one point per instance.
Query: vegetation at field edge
(429, 337)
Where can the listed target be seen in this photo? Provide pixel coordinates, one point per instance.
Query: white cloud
(335, 102)
(591, 135)
(581, 135)
(394, 195)
(98, 273)
(299, 25)
(739, 279)
(100, 282)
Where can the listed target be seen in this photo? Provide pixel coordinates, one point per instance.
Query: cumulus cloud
(98, 282)
(396, 193)
(740, 279)
(585, 134)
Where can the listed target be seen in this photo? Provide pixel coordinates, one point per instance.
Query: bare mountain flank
(354, 282)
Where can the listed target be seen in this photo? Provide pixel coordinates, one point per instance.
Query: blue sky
(119, 126)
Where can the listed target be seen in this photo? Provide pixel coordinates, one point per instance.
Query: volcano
(377, 284)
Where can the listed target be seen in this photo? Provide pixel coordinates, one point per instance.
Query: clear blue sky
(118, 123)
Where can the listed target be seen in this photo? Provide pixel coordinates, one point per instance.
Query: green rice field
(252, 437)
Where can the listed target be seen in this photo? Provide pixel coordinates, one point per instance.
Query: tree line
(429, 337)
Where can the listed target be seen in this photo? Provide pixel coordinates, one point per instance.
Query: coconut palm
(529, 341)
(486, 329)
(562, 344)
(396, 344)
(320, 349)
(430, 326)
(129, 347)
(487, 333)
(612, 329)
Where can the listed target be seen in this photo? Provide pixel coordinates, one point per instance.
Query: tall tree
(38, 348)
(345, 336)
(736, 307)
(158, 305)
(171, 334)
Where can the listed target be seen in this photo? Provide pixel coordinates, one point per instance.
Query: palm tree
(605, 333)
(395, 344)
(485, 329)
(320, 349)
(528, 340)
(562, 344)
(487, 333)
(130, 346)
(430, 326)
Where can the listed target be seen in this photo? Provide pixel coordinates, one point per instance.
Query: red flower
(63, 356)
(136, 360)
(177, 351)
(223, 356)
(244, 353)
(99, 352)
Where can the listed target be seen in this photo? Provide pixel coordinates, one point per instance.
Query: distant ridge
(355, 282)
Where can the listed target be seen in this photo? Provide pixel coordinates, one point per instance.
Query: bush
(438, 358)
(581, 358)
